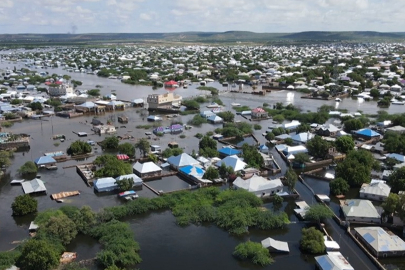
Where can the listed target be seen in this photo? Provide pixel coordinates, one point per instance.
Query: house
(34, 186)
(45, 161)
(173, 129)
(292, 125)
(105, 184)
(380, 242)
(137, 181)
(164, 101)
(215, 119)
(396, 129)
(182, 160)
(302, 138)
(275, 246)
(259, 186)
(360, 211)
(333, 260)
(207, 114)
(328, 130)
(367, 134)
(137, 102)
(377, 190)
(194, 173)
(233, 161)
(228, 151)
(293, 150)
(60, 90)
(147, 169)
(104, 129)
(397, 157)
(259, 113)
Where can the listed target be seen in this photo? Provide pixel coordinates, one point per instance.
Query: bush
(38, 255)
(257, 127)
(198, 135)
(79, 148)
(197, 121)
(312, 241)
(28, 167)
(254, 252)
(111, 142)
(182, 136)
(23, 205)
(7, 124)
(339, 186)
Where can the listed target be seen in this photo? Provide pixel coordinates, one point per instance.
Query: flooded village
(312, 129)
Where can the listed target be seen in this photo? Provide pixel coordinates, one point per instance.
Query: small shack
(105, 184)
(275, 246)
(45, 161)
(147, 169)
(34, 186)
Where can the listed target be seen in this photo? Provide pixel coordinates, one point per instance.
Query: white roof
(105, 182)
(274, 244)
(234, 161)
(359, 208)
(380, 240)
(127, 176)
(257, 183)
(36, 185)
(182, 160)
(330, 245)
(146, 167)
(333, 261)
(379, 188)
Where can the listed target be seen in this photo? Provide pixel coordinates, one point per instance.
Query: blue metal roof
(45, 160)
(368, 132)
(227, 151)
(193, 170)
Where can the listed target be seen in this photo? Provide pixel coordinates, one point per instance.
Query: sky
(164, 16)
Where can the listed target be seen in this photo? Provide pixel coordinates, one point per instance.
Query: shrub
(24, 204)
(28, 167)
(254, 252)
(312, 241)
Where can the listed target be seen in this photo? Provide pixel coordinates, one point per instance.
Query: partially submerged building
(380, 242)
(275, 245)
(377, 190)
(333, 261)
(356, 210)
(147, 169)
(259, 186)
(34, 186)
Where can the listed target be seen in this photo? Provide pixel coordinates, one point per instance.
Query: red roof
(258, 110)
(170, 83)
(122, 157)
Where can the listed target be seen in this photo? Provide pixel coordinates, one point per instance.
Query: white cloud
(145, 16)
(6, 4)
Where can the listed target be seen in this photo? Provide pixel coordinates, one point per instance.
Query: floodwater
(162, 242)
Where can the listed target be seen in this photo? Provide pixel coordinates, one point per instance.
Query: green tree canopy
(352, 124)
(344, 144)
(254, 252)
(143, 146)
(24, 204)
(125, 184)
(111, 142)
(397, 180)
(318, 147)
(318, 212)
(339, 186)
(251, 156)
(111, 166)
(391, 204)
(211, 173)
(312, 241)
(127, 149)
(62, 228)
(79, 148)
(291, 179)
(227, 116)
(38, 255)
(27, 168)
(208, 147)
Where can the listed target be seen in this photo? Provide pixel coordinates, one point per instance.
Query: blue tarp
(193, 171)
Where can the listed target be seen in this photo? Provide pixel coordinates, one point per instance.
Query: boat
(338, 100)
(129, 193)
(17, 182)
(213, 105)
(397, 102)
(59, 201)
(235, 104)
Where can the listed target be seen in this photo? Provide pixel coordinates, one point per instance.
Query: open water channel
(163, 243)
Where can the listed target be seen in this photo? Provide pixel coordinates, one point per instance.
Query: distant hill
(207, 37)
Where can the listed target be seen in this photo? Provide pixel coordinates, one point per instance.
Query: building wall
(373, 197)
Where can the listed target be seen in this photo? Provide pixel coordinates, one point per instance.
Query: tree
(277, 201)
(356, 168)
(24, 204)
(251, 156)
(225, 171)
(94, 92)
(352, 124)
(111, 166)
(197, 120)
(27, 168)
(211, 173)
(374, 93)
(391, 204)
(291, 179)
(227, 116)
(208, 147)
(38, 255)
(318, 147)
(344, 144)
(62, 228)
(79, 148)
(127, 149)
(5, 158)
(301, 158)
(191, 104)
(125, 184)
(312, 241)
(111, 142)
(35, 106)
(254, 252)
(143, 145)
(394, 142)
(339, 186)
(397, 180)
(318, 212)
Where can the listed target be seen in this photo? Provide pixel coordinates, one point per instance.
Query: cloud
(201, 15)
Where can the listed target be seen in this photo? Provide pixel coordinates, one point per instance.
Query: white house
(377, 190)
(260, 186)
